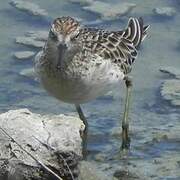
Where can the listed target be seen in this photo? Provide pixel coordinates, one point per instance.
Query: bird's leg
(84, 135)
(125, 122)
(81, 116)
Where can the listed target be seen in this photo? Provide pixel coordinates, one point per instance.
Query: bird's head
(64, 31)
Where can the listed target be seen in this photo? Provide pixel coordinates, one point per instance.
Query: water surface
(150, 115)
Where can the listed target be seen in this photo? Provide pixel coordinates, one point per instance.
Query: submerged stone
(165, 11)
(29, 72)
(38, 35)
(82, 2)
(100, 157)
(158, 137)
(170, 90)
(29, 7)
(110, 11)
(125, 174)
(89, 171)
(171, 71)
(24, 54)
(29, 41)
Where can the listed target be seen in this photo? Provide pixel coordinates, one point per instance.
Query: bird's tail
(136, 32)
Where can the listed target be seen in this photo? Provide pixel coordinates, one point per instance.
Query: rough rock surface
(110, 11)
(24, 54)
(165, 11)
(29, 7)
(36, 133)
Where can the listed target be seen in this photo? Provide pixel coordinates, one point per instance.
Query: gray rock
(38, 35)
(165, 11)
(170, 90)
(24, 54)
(29, 41)
(110, 11)
(52, 139)
(29, 7)
(29, 72)
(171, 71)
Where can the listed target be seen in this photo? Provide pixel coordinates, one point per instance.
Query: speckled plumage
(78, 64)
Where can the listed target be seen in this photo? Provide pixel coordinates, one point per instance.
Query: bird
(78, 64)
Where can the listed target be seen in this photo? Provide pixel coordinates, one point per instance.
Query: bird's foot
(125, 138)
(126, 144)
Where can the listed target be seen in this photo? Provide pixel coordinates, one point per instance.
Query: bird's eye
(53, 36)
(75, 37)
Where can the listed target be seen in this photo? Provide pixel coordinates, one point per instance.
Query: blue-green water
(150, 114)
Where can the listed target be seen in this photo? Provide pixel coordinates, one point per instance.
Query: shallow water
(151, 117)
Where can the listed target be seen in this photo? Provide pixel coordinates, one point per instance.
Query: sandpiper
(78, 64)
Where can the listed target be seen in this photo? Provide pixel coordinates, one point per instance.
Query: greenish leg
(84, 134)
(125, 121)
(81, 116)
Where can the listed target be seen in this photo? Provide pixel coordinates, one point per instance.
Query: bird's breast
(80, 86)
(81, 79)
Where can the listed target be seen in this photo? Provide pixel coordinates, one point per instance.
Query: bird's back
(121, 47)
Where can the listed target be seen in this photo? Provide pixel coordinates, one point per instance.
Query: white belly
(83, 83)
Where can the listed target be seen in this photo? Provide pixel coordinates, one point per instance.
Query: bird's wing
(119, 46)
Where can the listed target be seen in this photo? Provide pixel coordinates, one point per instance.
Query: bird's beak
(62, 46)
